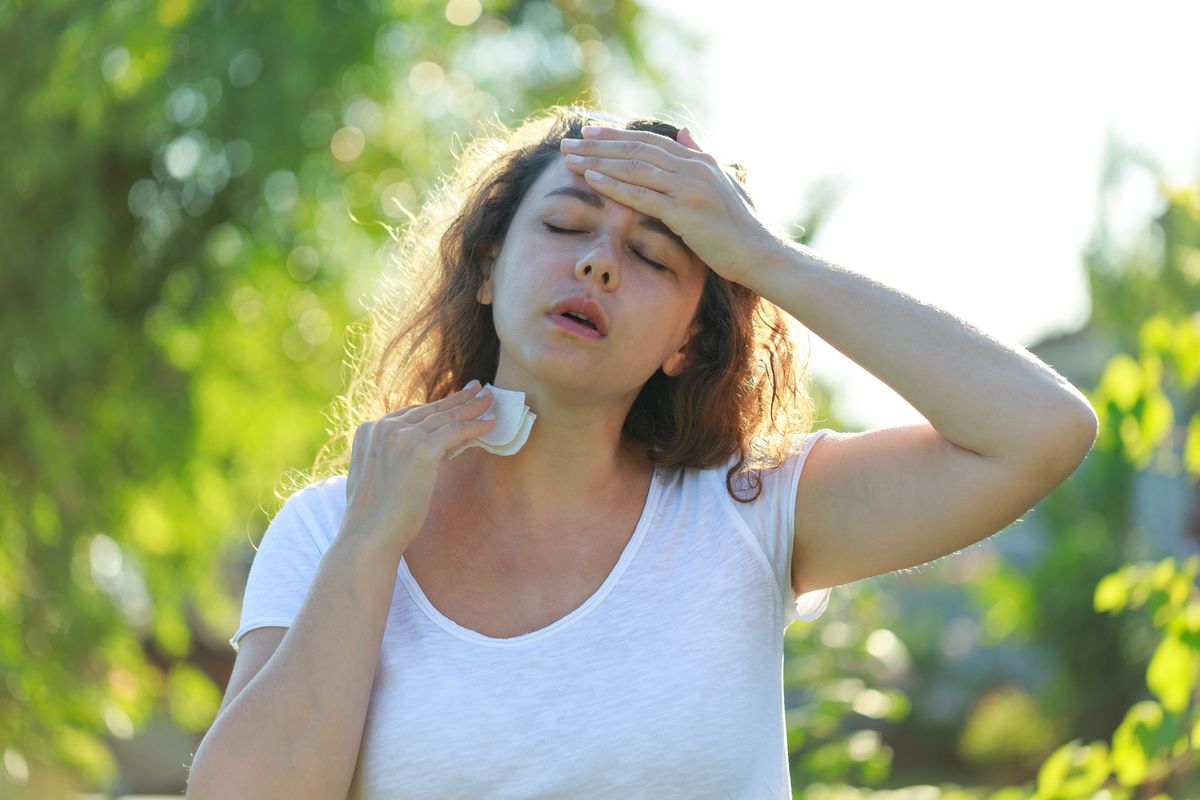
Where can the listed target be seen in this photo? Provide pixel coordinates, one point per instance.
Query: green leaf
(1191, 447)
(1112, 593)
(1158, 417)
(1173, 672)
(1164, 573)
(1130, 751)
(1054, 769)
(1073, 770)
(1122, 381)
(1180, 590)
(1144, 740)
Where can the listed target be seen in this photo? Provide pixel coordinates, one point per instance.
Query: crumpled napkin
(511, 430)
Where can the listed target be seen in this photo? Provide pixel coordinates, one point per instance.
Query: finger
(419, 412)
(398, 412)
(465, 411)
(605, 133)
(686, 137)
(648, 201)
(454, 434)
(629, 170)
(614, 149)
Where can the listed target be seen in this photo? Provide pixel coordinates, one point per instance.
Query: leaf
(1130, 753)
(1191, 447)
(1144, 740)
(1073, 770)
(1054, 769)
(1158, 417)
(1172, 673)
(1164, 572)
(1112, 593)
(1180, 589)
(1122, 381)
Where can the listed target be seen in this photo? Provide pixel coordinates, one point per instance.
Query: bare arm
(982, 394)
(295, 730)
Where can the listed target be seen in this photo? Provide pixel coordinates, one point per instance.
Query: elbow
(199, 782)
(195, 785)
(1087, 428)
(1074, 436)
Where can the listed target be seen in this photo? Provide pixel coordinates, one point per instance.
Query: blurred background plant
(1018, 647)
(189, 200)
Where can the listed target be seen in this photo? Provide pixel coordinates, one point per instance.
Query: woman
(600, 613)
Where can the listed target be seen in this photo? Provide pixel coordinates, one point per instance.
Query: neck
(574, 461)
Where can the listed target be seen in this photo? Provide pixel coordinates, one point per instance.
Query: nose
(600, 266)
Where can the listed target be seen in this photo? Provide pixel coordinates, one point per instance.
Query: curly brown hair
(429, 334)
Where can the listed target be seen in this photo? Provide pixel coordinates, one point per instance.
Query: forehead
(554, 175)
(565, 186)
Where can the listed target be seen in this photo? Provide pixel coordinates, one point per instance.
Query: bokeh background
(189, 199)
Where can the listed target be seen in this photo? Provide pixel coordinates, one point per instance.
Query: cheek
(517, 295)
(517, 282)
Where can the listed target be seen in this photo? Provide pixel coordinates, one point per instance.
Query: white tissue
(511, 430)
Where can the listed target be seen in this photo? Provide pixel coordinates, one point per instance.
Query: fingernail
(474, 383)
(481, 393)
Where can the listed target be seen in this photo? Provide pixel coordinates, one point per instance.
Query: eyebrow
(596, 201)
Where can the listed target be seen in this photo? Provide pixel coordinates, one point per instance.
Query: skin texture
(1004, 430)
(684, 187)
(407, 448)
(580, 389)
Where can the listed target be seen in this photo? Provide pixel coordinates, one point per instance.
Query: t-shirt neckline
(597, 597)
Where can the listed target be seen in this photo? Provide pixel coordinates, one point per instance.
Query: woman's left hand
(681, 185)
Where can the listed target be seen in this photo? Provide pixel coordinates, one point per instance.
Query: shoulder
(319, 505)
(769, 465)
(319, 491)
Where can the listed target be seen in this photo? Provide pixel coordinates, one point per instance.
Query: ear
(680, 360)
(485, 294)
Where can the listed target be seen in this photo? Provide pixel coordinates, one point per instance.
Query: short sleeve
(285, 564)
(771, 517)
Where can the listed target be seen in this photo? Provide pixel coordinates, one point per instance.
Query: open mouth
(581, 327)
(572, 315)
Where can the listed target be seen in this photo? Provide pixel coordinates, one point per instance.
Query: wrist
(773, 254)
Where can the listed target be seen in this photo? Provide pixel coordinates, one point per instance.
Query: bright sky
(966, 142)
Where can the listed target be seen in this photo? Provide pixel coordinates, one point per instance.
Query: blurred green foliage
(1155, 745)
(1080, 680)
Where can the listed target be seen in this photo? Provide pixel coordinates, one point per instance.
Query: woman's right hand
(394, 464)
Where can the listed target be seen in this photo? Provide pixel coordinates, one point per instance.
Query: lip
(583, 304)
(577, 328)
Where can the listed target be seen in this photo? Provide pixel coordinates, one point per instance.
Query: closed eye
(655, 264)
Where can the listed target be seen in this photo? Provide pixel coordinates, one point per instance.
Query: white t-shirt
(667, 682)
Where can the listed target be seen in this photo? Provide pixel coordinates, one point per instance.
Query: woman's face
(650, 310)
